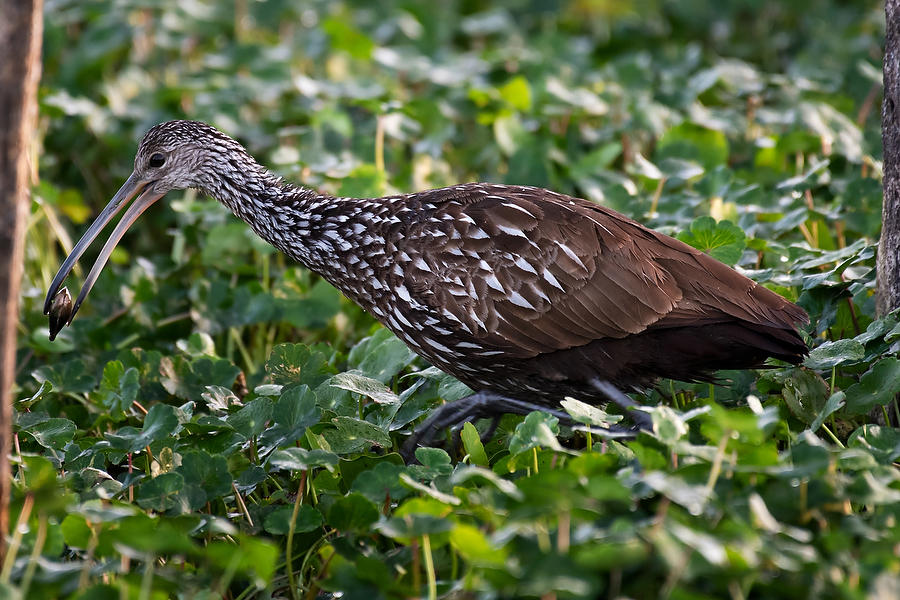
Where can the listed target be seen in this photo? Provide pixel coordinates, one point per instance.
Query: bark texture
(889, 245)
(21, 28)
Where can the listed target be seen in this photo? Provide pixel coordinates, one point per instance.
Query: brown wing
(527, 271)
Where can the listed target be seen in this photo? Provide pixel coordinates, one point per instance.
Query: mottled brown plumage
(519, 292)
(537, 293)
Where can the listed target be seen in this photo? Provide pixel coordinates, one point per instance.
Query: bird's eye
(157, 160)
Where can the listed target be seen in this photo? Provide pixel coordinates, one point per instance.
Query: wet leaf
(878, 386)
(831, 354)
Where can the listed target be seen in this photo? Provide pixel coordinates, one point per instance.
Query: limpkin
(526, 295)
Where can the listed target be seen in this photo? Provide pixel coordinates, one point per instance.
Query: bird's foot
(632, 409)
(486, 404)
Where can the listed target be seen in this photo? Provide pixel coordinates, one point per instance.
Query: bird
(526, 295)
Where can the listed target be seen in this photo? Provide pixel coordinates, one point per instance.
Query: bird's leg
(479, 405)
(487, 435)
(629, 406)
(453, 414)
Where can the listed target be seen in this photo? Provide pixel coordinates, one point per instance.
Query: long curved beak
(132, 186)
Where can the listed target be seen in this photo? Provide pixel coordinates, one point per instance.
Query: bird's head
(171, 156)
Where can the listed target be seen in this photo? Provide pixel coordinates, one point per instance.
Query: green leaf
(435, 463)
(878, 386)
(278, 521)
(464, 473)
(160, 493)
(76, 531)
(219, 399)
(206, 478)
(517, 93)
(882, 442)
(188, 379)
(365, 181)
(449, 387)
(831, 354)
(723, 241)
(538, 430)
(352, 512)
(250, 557)
(294, 411)
(149, 535)
(381, 482)
(347, 38)
(588, 414)
(668, 425)
(596, 160)
(352, 429)
(119, 387)
(805, 394)
(70, 376)
(368, 387)
(411, 526)
(380, 356)
(312, 311)
(198, 344)
(835, 402)
(691, 142)
(53, 433)
(471, 440)
(159, 423)
(298, 363)
(253, 418)
(678, 490)
(301, 459)
(296, 407)
(474, 546)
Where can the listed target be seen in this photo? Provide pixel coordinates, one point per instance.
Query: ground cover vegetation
(218, 422)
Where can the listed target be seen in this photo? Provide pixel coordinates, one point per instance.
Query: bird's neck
(317, 230)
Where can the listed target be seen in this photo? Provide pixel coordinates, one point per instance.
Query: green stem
(16, 541)
(289, 551)
(40, 538)
(832, 436)
(716, 468)
(251, 367)
(429, 567)
(147, 580)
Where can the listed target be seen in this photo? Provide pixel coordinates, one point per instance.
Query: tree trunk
(21, 28)
(889, 246)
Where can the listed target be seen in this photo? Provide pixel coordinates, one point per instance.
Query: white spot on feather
(468, 345)
(519, 208)
(571, 254)
(548, 276)
(494, 283)
(512, 231)
(439, 346)
(525, 265)
(519, 300)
